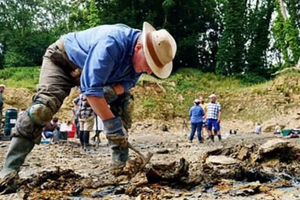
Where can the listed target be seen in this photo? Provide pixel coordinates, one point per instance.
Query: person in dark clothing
(49, 129)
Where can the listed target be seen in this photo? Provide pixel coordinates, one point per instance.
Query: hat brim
(161, 72)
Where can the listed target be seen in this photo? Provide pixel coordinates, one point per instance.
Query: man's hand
(115, 132)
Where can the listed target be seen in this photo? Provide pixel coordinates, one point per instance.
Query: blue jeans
(195, 126)
(48, 134)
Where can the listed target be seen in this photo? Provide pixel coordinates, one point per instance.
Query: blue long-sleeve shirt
(104, 53)
(196, 114)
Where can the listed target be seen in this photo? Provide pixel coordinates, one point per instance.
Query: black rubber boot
(18, 149)
(212, 138)
(81, 136)
(220, 138)
(86, 138)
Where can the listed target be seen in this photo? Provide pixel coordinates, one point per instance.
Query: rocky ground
(242, 166)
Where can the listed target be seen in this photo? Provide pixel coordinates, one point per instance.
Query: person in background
(258, 129)
(213, 117)
(48, 131)
(64, 128)
(277, 129)
(2, 88)
(204, 107)
(98, 128)
(196, 114)
(86, 120)
(75, 111)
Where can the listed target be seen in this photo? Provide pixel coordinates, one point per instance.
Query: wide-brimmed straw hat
(160, 49)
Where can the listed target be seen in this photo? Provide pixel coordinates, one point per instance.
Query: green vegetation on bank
(244, 97)
(20, 77)
(185, 79)
(174, 96)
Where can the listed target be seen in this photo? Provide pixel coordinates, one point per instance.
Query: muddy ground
(64, 171)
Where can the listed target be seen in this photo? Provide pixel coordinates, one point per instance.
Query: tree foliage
(230, 37)
(27, 28)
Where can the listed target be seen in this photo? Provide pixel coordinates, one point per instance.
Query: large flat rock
(222, 160)
(271, 145)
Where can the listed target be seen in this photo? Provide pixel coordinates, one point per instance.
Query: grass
(173, 97)
(239, 99)
(192, 79)
(181, 88)
(20, 77)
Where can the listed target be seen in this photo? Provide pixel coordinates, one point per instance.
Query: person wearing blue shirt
(196, 114)
(106, 62)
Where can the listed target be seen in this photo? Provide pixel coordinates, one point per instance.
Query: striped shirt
(213, 110)
(84, 110)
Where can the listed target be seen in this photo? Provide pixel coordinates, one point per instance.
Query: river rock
(222, 160)
(253, 186)
(272, 145)
(243, 153)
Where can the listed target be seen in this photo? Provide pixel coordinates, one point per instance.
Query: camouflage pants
(55, 83)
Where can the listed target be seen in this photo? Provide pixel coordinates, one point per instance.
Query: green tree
(258, 24)
(194, 25)
(231, 52)
(1, 56)
(93, 17)
(28, 27)
(286, 32)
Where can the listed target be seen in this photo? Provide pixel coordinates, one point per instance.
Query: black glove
(110, 94)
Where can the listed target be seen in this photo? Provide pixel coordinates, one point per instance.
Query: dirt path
(93, 165)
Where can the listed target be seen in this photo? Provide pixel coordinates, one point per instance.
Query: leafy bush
(250, 78)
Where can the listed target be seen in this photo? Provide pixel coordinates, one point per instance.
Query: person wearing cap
(196, 114)
(213, 117)
(106, 61)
